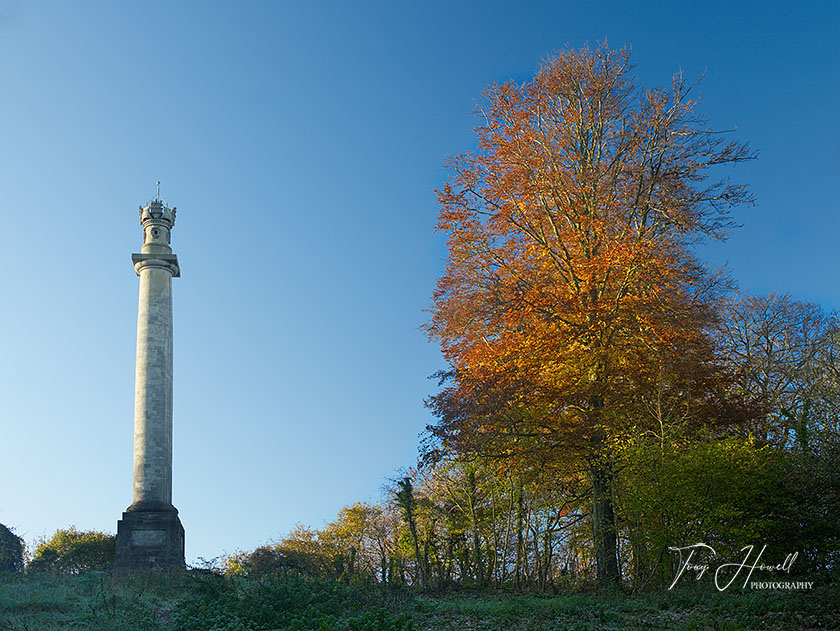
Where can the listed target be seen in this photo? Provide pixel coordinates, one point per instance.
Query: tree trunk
(603, 523)
(471, 498)
(405, 500)
(537, 556)
(508, 526)
(419, 574)
(520, 526)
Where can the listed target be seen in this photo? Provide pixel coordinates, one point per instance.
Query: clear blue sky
(301, 143)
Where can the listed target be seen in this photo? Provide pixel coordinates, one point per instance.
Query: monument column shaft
(150, 535)
(153, 387)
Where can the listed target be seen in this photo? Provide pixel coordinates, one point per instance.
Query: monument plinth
(150, 535)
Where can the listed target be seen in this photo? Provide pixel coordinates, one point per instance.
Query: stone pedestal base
(149, 540)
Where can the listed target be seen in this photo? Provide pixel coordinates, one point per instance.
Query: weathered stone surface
(150, 535)
(153, 387)
(150, 541)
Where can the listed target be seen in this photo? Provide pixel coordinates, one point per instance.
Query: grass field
(202, 602)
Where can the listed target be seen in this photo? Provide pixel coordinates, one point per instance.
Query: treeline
(503, 521)
(67, 551)
(480, 521)
(608, 395)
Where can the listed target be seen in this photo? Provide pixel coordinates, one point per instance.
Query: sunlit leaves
(570, 280)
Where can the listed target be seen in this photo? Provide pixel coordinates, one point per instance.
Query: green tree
(406, 501)
(72, 551)
(724, 492)
(356, 535)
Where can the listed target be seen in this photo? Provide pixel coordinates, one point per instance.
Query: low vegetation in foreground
(202, 601)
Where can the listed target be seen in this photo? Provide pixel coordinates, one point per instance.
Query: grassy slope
(97, 602)
(685, 609)
(92, 601)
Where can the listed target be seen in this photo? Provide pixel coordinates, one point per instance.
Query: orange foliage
(571, 291)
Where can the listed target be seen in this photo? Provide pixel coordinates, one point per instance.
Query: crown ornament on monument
(157, 219)
(156, 211)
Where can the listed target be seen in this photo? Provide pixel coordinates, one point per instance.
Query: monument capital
(168, 262)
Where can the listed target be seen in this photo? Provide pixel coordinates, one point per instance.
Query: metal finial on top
(157, 200)
(156, 211)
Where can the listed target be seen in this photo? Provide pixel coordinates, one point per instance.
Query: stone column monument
(150, 535)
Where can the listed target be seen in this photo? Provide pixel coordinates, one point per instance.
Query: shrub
(286, 601)
(72, 551)
(725, 493)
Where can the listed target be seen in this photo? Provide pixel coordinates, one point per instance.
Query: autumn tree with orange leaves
(572, 297)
